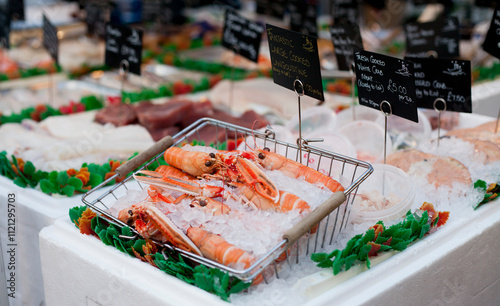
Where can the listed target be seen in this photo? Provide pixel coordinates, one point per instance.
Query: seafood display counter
(456, 264)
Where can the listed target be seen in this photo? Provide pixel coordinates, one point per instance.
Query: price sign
(16, 8)
(345, 11)
(492, 41)
(50, 40)
(443, 78)
(295, 56)
(448, 39)
(123, 43)
(487, 3)
(441, 36)
(380, 78)
(4, 27)
(274, 8)
(346, 39)
(303, 17)
(95, 18)
(242, 36)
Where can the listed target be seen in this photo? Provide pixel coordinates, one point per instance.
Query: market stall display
(204, 185)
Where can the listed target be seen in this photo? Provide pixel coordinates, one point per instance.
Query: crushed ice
(258, 231)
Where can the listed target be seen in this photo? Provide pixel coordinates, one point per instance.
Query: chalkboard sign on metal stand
(51, 44)
(243, 37)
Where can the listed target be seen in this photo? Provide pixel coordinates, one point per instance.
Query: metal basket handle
(145, 156)
(313, 218)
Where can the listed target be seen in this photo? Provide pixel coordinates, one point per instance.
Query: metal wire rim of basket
(268, 136)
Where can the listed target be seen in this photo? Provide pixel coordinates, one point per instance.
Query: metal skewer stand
(236, 52)
(302, 143)
(386, 115)
(496, 124)
(439, 111)
(123, 72)
(353, 82)
(431, 54)
(2, 44)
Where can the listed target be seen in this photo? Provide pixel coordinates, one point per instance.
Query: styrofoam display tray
(456, 265)
(34, 210)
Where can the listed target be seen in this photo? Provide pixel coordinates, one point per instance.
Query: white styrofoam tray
(458, 264)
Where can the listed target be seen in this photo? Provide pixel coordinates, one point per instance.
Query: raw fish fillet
(118, 115)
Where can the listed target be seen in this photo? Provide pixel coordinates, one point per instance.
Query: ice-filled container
(405, 133)
(386, 195)
(360, 113)
(314, 119)
(368, 139)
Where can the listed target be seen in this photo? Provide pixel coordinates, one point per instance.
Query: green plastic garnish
(397, 237)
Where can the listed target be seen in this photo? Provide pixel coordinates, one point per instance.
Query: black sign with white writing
(487, 3)
(16, 8)
(303, 17)
(50, 40)
(345, 11)
(380, 78)
(96, 19)
(164, 11)
(295, 56)
(274, 8)
(443, 78)
(448, 39)
(242, 36)
(440, 38)
(123, 43)
(492, 41)
(346, 38)
(4, 27)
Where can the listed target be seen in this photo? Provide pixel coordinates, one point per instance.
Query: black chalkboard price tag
(448, 39)
(420, 38)
(242, 36)
(303, 17)
(345, 11)
(95, 18)
(487, 3)
(438, 38)
(295, 56)
(346, 39)
(16, 8)
(123, 43)
(50, 40)
(273, 8)
(491, 43)
(380, 78)
(4, 27)
(443, 78)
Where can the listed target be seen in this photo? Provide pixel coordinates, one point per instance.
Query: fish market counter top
(458, 264)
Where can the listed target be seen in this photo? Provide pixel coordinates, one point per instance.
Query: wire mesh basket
(328, 219)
